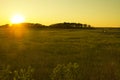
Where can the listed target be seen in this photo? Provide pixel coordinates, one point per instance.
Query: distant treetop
(68, 25)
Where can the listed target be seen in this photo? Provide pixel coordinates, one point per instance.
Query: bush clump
(21, 74)
(69, 71)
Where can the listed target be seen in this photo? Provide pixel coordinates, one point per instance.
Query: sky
(98, 13)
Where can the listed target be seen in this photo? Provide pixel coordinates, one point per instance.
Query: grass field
(97, 51)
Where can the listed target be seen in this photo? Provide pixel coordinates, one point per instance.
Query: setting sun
(17, 19)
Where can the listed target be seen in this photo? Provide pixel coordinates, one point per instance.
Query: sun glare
(16, 19)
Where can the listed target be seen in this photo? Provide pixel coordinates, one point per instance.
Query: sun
(16, 19)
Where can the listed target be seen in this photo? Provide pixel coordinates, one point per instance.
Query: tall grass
(96, 52)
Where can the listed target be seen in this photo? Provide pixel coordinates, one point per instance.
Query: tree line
(68, 25)
(65, 25)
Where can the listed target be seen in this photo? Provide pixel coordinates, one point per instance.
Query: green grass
(97, 52)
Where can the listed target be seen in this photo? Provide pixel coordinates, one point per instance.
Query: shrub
(22, 74)
(65, 72)
(5, 72)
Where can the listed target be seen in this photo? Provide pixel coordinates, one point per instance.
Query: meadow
(97, 51)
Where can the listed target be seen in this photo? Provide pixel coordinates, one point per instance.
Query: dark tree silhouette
(65, 25)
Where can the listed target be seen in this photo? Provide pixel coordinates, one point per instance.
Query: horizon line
(63, 22)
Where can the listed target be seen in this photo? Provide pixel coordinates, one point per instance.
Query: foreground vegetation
(94, 53)
(22, 74)
(60, 72)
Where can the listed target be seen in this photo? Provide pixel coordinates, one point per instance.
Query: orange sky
(95, 12)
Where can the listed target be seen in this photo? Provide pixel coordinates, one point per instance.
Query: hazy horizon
(98, 13)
